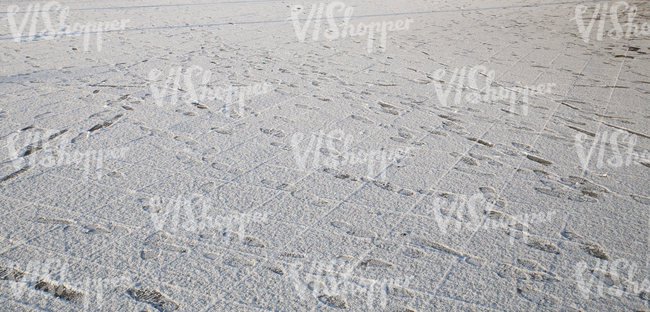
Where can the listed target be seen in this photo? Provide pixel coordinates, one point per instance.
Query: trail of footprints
(572, 187)
(524, 269)
(66, 292)
(58, 290)
(154, 298)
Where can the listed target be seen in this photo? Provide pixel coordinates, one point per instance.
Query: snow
(248, 156)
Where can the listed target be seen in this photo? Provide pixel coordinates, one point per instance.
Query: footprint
(239, 262)
(376, 263)
(533, 294)
(200, 106)
(15, 174)
(470, 161)
(227, 168)
(253, 242)
(454, 127)
(362, 119)
(54, 136)
(274, 132)
(329, 152)
(393, 188)
(106, 124)
(451, 118)
(429, 243)
(507, 219)
(336, 301)
(115, 174)
(60, 291)
(539, 160)
(531, 265)
(154, 298)
(402, 309)
(544, 246)
(474, 171)
(488, 159)
(102, 114)
(212, 256)
(487, 190)
(55, 220)
(184, 158)
(345, 176)
(208, 187)
(172, 247)
(641, 199)
(561, 191)
(589, 133)
(486, 143)
(609, 278)
(310, 198)
(324, 99)
(316, 287)
(525, 147)
(186, 139)
(508, 271)
(341, 225)
(292, 255)
(279, 185)
(405, 134)
(399, 291)
(362, 233)
(508, 150)
(186, 113)
(13, 274)
(400, 140)
(307, 107)
(586, 187)
(283, 118)
(82, 136)
(276, 269)
(147, 254)
(96, 229)
(543, 173)
(351, 230)
(118, 228)
(232, 113)
(222, 130)
(414, 252)
(37, 116)
(151, 206)
(207, 235)
(156, 238)
(590, 247)
(433, 131)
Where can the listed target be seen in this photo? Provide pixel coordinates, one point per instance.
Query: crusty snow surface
(341, 179)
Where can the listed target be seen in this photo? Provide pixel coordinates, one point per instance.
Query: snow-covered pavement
(387, 155)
